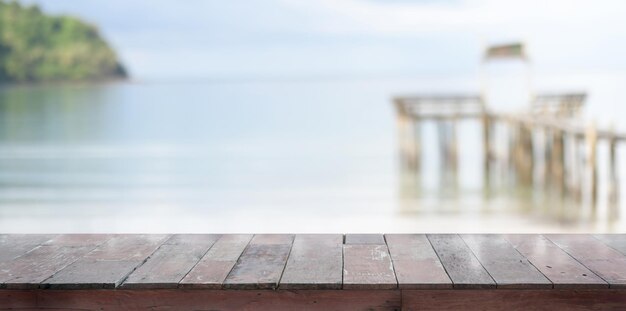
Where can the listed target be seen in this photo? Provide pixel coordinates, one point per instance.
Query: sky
(304, 38)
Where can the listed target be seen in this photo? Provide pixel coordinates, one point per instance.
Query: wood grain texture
(415, 262)
(615, 241)
(606, 262)
(108, 264)
(30, 269)
(213, 268)
(15, 245)
(462, 266)
(167, 266)
(525, 299)
(367, 266)
(79, 240)
(562, 270)
(180, 299)
(315, 262)
(504, 263)
(261, 264)
(377, 239)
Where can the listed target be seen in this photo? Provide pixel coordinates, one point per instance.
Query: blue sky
(300, 38)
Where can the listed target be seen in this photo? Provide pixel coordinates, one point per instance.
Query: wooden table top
(312, 261)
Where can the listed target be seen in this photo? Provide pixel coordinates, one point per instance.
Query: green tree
(37, 47)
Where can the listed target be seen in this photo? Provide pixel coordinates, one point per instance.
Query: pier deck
(312, 272)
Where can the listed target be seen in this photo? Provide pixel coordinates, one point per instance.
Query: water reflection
(533, 163)
(249, 157)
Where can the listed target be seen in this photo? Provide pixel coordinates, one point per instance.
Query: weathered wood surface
(606, 262)
(504, 263)
(506, 299)
(108, 264)
(415, 262)
(562, 269)
(464, 269)
(15, 245)
(367, 264)
(262, 263)
(377, 239)
(315, 262)
(615, 241)
(171, 262)
(30, 269)
(182, 299)
(214, 267)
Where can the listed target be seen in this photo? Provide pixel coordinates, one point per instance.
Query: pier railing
(546, 145)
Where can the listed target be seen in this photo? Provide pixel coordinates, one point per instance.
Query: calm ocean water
(249, 156)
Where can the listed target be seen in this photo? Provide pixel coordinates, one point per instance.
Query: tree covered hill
(36, 47)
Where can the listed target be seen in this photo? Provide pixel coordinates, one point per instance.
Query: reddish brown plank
(261, 264)
(415, 262)
(18, 299)
(30, 269)
(180, 299)
(460, 263)
(605, 261)
(378, 239)
(504, 263)
(214, 267)
(615, 241)
(171, 262)
(526, 299)
(315, 262)
(367, 266)
(14, 245)
(79, 239)
(107, 265)
(562, 270)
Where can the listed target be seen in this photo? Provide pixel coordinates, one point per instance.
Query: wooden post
(454, 156)
(527, 155)
(417, 144)
(549, 144)
(591, 137)
(613, 197)
(402, 122)
(580, 171)
(486, 122)
(558, 175)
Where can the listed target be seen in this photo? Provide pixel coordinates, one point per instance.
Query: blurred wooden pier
(546, 145)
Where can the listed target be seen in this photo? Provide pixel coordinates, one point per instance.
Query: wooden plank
(615, 241)
(315, 262)
(30, 269)
(603, 260)
(462, 266)
(79, 239)
(171, 262)
(181, 299)
(18, 299)
(415, 262)
(15, 245)
(367, 266)
(504, 263)
(129, 247)
(562, 270)
(262, 263)
(107, 265)
(377, 239)
(527, 299)
(213, 268)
